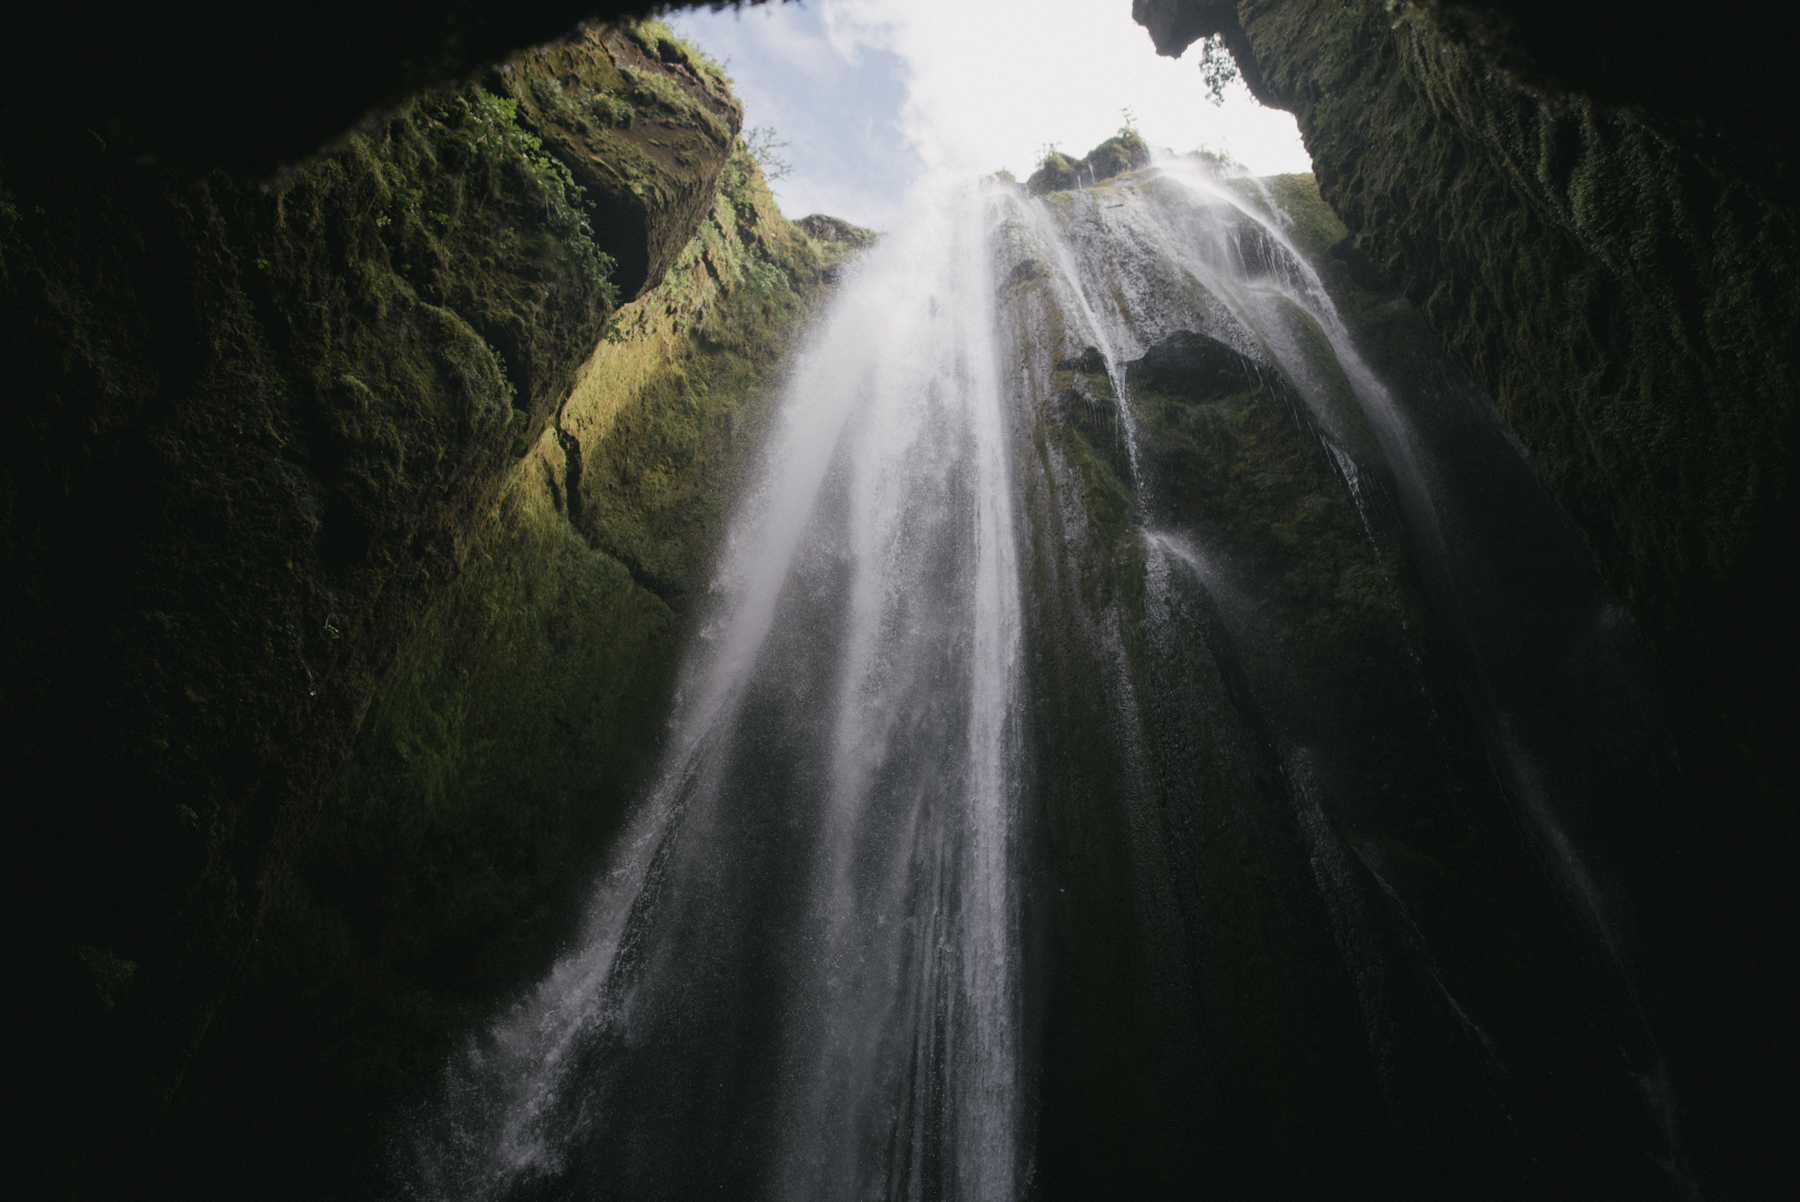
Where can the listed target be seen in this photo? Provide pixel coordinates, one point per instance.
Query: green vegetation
(1218, 70)
(670, 47)
(1234, 462)
(1057, 172)
(611, 111)
(1153, 760)
(765, 146)
(1222, 731)
(654, 89)
(491, 136)
(325, 431)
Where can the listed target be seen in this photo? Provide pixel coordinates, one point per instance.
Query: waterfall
(1139, 740)
(800, 973)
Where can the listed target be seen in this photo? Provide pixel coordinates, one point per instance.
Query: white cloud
(876, 94)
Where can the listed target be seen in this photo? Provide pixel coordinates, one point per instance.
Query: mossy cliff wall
(1626, 300)
(501, 749)
(1276, 840)
(1612, 255)
(337, 512)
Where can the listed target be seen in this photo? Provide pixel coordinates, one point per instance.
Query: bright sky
(875, 95)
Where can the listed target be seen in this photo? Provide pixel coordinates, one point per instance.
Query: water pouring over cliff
(800, 976)
(1117, 757)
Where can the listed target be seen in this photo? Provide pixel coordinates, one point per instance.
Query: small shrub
(611, 111)
(492, 134)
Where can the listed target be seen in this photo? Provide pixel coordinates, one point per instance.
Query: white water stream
(801, 970)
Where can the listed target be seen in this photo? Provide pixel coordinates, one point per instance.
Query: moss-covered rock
(830, 229)
(1276, 842)
(254, 437)
(836, 240)
(645, 124)
(1624, 302)
(1624, 307)
(1057, 173)
(501, 749)
(1124, 151)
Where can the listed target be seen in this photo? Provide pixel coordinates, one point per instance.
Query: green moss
(1314, 228)
(1234, 462)
(610, 110)
(1155, 774)
(1057, 173)
(1209, 737)
(1124, 151)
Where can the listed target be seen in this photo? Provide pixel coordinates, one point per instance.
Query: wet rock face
(1610, 250)
(1188, 726)
(1622, 296)
(1192, 365)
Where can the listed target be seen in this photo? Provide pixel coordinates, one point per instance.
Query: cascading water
(1180, 266)
(1137, 748)
(800, 977)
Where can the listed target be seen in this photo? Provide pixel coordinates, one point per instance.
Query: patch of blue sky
(836, 105)
(876, 96)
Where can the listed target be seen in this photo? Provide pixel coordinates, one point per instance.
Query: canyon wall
(1608, 246)
(339, 512)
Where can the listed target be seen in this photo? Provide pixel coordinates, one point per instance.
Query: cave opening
(1249, 660)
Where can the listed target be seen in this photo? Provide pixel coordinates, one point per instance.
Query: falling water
(800, 973)
(1180, 249)
(812, 968)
